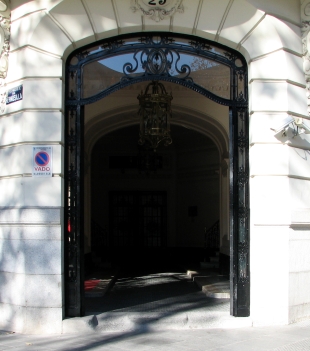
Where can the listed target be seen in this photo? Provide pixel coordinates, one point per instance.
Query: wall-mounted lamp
(302, 126)
(283, 125)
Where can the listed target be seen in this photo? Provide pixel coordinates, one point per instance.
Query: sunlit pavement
(292, 337)
(171, 295)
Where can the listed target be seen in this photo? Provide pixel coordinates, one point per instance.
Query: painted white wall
(267, 33)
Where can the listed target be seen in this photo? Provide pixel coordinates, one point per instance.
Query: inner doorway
(154, 220)
(138, 219)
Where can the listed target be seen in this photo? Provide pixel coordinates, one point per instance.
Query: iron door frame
(239, 150)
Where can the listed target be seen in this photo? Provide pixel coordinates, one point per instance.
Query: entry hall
(151, 217)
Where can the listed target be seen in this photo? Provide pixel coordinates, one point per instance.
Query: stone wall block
(40, 31)
(31, 256)
(12, 287)
(41, 94)
(271, 35)
(13, 317)
(31, 320)
(19, 160)
(269, 159)
(75, 22)
(28, 62)
(30, 215)
(43, 290)
(28, 191)
(34, 126)
(299, 312)
(269, 199)
(300, 258)
(30, 232)
(278, 65)
(299, 288)
(269, 274)
(279, 96)
(43, 320)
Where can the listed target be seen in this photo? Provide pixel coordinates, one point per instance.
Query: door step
(212, 288)
(212, 284)
(155, 321)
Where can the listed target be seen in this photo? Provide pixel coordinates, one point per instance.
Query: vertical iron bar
(233, 295)
(74, 226)
(239, 212)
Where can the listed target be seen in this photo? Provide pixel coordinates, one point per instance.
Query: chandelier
(154, 114)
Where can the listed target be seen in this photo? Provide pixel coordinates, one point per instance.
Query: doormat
(90, 284)
(100, 283)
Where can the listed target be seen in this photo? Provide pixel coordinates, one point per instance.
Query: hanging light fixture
(155, 114)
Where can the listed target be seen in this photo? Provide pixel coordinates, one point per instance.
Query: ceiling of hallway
(189, 109)
(127, 138)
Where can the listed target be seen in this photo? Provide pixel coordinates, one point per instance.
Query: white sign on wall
(42, 160)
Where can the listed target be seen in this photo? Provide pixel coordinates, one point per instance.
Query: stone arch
(237, 101)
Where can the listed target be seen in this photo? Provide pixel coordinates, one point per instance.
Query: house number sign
(157, 3)
(157, 10)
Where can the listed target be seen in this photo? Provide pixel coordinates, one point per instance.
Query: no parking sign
(42, 157)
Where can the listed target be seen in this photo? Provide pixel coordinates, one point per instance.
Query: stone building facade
(37, 38)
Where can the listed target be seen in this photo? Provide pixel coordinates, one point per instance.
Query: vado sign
(42, 157)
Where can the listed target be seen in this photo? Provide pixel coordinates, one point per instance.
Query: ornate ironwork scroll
(153, 58)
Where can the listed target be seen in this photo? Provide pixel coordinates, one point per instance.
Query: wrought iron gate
(166, 57)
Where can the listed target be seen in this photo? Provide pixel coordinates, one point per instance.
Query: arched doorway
(182, 60)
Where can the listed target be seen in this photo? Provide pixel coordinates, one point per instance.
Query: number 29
(161, 2)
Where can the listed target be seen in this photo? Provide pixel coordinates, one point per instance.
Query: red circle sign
(42, 158)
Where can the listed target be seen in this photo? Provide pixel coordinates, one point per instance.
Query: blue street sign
(15, 94)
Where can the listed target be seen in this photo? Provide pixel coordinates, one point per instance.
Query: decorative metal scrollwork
(240, 74)
(111, 45)
(232, 57)
(72, 275)
(243, 214)
(156, 61)
(243, 176)
(200, 45)
(243, 248)
(243, 141)
(241, 97)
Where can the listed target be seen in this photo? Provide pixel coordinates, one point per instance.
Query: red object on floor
(90, 284)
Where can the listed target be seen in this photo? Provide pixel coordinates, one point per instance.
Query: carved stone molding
(5, 25)
(157, 10)
(305, 31)
(225, 166)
